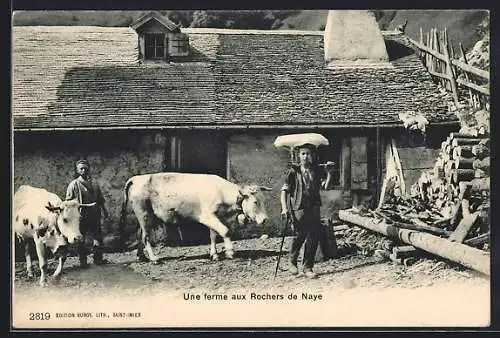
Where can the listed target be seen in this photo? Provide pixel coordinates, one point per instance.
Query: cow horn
(265, 188)
(88, 204)
(52, 208)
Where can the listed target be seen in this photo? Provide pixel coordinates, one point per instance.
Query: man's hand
(330, 166)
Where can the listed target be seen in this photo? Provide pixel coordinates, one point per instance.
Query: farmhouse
(155, 97)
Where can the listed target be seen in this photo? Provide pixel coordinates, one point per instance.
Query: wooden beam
(470, 257)
(440, 75)
(479, 89)
(463, 228)
(473, 70)
(481, 239)
(465, 67)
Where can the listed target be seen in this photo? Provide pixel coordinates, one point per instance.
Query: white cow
(42, 216)
(207, 199)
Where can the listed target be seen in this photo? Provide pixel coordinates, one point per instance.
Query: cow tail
(124, 212)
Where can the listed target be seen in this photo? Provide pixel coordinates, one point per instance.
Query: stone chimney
(352, 38)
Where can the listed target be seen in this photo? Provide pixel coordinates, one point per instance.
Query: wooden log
(459, 175)
(441, 222)
(480, 151)
(465, 141)
(479, 185)
(438, 168)
(479, 173)
(456, 214)
(404, 251)
(483, 164)
(464, 227)
(462, 151)
(395, 259)
(444, 144)
(422, 226)
(481, 239)
(461, 135)
(463, 254)
(464, 163)
(340, 227)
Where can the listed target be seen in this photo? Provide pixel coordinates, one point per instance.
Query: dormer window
(154, 46)
(159, 38)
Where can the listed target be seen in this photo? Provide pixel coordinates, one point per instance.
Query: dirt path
(187, 270)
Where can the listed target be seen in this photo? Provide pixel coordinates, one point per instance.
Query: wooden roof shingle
(88, 77)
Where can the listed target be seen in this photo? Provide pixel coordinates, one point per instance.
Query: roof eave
(242, 126)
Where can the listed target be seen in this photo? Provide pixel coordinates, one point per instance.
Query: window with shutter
(359, 163)
(154, 46)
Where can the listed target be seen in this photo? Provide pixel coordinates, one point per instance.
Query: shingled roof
(89, 77)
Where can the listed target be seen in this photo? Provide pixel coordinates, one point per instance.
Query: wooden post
(437, 61)
(422, 53)
(427, 55)
(431, 46)
(471, 95)
(398, 166)
(449, 68)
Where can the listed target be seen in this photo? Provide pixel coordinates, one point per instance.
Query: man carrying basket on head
(301, 201)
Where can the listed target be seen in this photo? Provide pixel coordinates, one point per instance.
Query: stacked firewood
(458, 187)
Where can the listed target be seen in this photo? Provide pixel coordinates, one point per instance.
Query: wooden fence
(457, 76)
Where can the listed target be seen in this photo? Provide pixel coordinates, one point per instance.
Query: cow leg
(40, 250)
(215, 224)
(143, 219)
(27, 255)
(213, 247)
(58, 271)
(140, 248)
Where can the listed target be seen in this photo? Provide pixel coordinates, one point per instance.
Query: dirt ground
(188, 270)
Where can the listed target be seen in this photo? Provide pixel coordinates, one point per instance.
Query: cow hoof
(43, 284)
(30, 275)
(155, 262)
(230, 254)
(142, 258)
(215, 257)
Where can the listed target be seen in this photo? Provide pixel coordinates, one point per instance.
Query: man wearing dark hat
(300, 202)
(86, 190)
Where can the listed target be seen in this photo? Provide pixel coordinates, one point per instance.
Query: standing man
(300, 202)
(86, 190)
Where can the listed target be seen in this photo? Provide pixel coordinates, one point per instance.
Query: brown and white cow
(42, 216)
(207, 199)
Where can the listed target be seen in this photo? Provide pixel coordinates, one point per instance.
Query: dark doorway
(199, 152)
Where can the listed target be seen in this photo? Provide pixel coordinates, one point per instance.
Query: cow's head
(252, 204)
(68, 218)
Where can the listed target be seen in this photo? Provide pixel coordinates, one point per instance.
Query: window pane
(150, 39)
(160, 39)
(150, 52)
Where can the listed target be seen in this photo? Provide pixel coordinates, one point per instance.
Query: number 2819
(39, 315)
